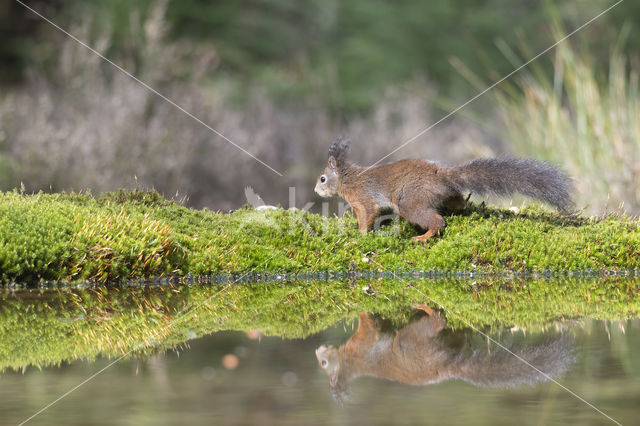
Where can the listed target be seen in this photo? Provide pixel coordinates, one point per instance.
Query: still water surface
(431, 375)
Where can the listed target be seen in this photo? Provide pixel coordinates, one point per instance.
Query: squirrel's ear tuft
(333, 379)
(332, 163)
(339, 150)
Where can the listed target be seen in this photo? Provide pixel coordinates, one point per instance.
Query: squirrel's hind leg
(424, 237)
(425, 217)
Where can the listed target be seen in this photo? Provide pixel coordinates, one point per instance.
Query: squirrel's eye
(324, 362)
(323, 178)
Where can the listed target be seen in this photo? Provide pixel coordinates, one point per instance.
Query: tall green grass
(585, 120)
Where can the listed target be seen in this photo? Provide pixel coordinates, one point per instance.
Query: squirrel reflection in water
(423, 353)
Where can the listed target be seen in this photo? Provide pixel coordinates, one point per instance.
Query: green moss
(49, 327)
(141, 235)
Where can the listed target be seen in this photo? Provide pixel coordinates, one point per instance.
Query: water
(245, 377)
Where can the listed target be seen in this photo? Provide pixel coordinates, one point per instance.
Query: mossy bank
(141, 235)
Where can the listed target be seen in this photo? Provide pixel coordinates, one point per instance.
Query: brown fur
(421, 354)
(419, 189)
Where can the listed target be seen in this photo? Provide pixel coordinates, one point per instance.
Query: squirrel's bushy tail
(505, 176)
(519, 366)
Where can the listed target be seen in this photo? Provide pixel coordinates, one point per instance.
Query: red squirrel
(423, 352)
(418, 189)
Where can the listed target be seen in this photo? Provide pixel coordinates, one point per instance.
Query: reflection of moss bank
(140, 234)
(50, 327)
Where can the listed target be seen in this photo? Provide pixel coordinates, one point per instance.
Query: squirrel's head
(329, 359)
(327, 184)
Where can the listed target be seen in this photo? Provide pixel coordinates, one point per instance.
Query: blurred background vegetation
(282, 78)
